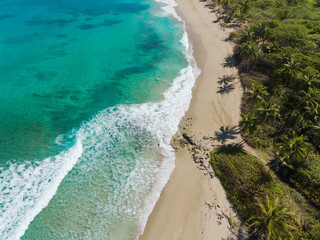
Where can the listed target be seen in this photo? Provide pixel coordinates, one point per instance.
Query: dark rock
(188, 139)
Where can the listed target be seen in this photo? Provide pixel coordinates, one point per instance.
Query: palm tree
(290, 69)
(273, 48)
(262, 31)
(311, 115)
(224, 3)
(311, 98)
(249, 52)
(248, 122)
(256, 95)
(245, 6)
(310, 78)
(272, 222)
(243, 10)
(248, 35)
(294, 149)
(269, 111)
(284, 58)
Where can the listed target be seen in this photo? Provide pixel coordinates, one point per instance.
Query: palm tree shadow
(228, 39)
(230, 62)
(225, 133)
(225, 88)
(226, 79)
(231, 148)
(219, 19)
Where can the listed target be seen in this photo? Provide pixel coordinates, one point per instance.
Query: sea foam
(28, 188)
(176, 103)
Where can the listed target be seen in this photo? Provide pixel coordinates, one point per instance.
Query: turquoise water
(91, 93)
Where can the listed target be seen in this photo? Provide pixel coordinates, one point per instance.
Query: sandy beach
(193, 205)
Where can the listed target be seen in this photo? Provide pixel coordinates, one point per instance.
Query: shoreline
(193, 204)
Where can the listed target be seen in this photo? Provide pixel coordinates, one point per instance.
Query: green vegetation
(272, 222)
(247, 180)
(278, 53)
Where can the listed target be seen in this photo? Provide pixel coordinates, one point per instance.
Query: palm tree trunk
(255, 234)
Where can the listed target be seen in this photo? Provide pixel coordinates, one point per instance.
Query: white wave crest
(28, 188)
(176, 103)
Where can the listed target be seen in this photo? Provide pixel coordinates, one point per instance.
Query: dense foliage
(278, 48)
(278, 44)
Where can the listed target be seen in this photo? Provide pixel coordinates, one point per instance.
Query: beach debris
(209, 205)
(188, 139)
(220, 216)
(198, 148)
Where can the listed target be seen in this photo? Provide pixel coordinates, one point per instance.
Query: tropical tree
(247, 35)
(243, 9)
(245, 6)
(269, 111)
(311, 115)
(310, 78)
(225, 3)
(271, 222)
(256, 95)
(290, 69)
(272, 48)
(249, 52)
(283, 58)
(311, 99)
(261, 31)
(248, 123)
(293, 149)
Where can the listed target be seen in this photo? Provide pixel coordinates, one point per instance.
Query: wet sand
(193, 204)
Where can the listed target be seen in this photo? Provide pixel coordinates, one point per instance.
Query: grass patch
(262, 139)
(246, 179)
(306, 179)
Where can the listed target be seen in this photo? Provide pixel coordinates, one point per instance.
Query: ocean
(91, 93)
